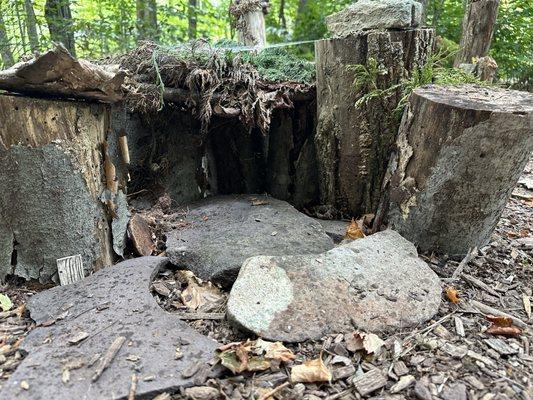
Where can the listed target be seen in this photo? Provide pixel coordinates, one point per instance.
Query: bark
(353, 143)
(57, 73)
(250, 22)
(59, 19)
(459, 153)
(52, 181)
(5, 46)
(192, 16)
(147, 20)
(31, 26)
(478, 26)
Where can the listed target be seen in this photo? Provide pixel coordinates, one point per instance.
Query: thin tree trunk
(59, 19)
(281, 15)
(147, 20)
(193, 4)
(31, 26)
(5, 48)
(478, 27)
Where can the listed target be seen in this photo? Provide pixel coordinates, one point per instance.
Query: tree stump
(52, 180)
(353, 143)
(459, 154)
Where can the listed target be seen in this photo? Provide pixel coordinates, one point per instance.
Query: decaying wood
(141, 236)
(459, 153)
(108, 357)
(370, 382)
(478, 26)
(57, 73)
(352, 142)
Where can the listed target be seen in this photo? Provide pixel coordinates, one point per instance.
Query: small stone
(25, 385)
(375, 14)
(422, 392)
(202, 393)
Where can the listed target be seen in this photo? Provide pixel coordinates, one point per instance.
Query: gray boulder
(375, 14)
(224, 231)
(77, 323)
(377, 284)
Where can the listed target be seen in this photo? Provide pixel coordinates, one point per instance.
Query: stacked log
(352, 141)
(459, 154)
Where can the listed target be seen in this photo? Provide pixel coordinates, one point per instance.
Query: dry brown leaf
(141, 235)
(355, 230)
(274, 350)
(452, 295)
(504, 330)
(503, 322)
(311, 371)
(199, 295)
(368, 342)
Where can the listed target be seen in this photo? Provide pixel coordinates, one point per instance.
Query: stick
(108, 357)
(470, 255)
(196, 316)
(274, 391)
(480, 284)
(133, 387)
(485, 309)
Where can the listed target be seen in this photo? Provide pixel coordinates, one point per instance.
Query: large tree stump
(478, 26)
(53, 186)
(353, 142)
(459, 153)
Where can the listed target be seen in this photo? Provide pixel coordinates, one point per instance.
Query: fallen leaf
(503, 322)
(504, 330)
(5, 302)
(257, 202)
(141, 235)
(199, 295)
(274, 350)
(368, 342)
(355, 230)
(311, 371)
(452, 295)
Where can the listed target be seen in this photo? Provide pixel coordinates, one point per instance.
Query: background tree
(5, 48)
(60, 24)
(193, 4)
(31, 25)
(147, 20)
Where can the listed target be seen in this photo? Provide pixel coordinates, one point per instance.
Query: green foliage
(434, 71)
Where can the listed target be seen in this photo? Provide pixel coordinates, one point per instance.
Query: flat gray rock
(377, 284)
(335, 229)
(224, 231)
(113, 302)
(375, 14)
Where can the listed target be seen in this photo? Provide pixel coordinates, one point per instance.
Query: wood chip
(403, 383)
(141, 236)
(78, 337)
(500, 346)
(133, 387)
(527, 305)
(459, 327)
(369, 382)
(108, 357)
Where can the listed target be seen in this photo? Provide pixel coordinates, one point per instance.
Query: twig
(108, 357)
(274, 391)
(197, 316)
(339, 395)
(485, 309)
(459, 270)
(480, 284)
(133, 387)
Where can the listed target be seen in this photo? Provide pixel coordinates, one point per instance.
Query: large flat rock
(375, 14)
(113, 302)
(377, 284)
(224, 231)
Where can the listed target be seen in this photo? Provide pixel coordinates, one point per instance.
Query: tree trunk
(478, 27)
(31, 26)
(353, 142)
(250, 22)
(147, 20)
(59, 19)
(423, 19)
(193, 4)
(51, 158)
(459, 153)
(281, 15)
(5, 46)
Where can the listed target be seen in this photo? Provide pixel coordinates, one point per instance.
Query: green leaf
(5, 302)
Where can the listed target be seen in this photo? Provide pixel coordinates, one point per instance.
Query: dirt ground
(453, 356)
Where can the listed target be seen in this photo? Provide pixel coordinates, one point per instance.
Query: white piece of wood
(70, 269)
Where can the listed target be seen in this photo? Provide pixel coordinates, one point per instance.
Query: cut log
(57, 73)
(353, 142)
(459, 154)
(478, 26)
(52, 180)
(250, 21)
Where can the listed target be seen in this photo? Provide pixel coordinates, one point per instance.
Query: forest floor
(452, 357)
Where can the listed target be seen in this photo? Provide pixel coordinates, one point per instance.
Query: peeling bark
(459, 153)
(353, 143)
